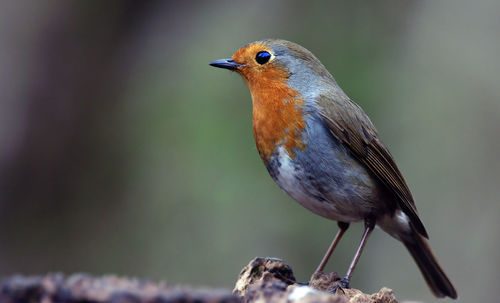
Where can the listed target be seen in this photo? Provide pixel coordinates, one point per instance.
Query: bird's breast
(278, 120)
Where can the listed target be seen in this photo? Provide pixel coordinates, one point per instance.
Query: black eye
(262, 57)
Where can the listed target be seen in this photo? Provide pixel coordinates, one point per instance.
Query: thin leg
(369, 226)
(342, 228)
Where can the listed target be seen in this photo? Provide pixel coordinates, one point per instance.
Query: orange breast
(277, 114)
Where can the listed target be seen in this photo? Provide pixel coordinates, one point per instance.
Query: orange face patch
(277, 109)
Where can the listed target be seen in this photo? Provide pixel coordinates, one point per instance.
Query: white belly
(340, 208)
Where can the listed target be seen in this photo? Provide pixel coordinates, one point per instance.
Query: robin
(323, 150)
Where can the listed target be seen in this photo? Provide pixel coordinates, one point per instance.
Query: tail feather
(427, 263)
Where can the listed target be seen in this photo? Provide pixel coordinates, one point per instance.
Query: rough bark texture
(83, 288)
(271, 280)
(262, 280)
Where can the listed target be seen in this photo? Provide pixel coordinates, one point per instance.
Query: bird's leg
(344, 283)
(342, 228)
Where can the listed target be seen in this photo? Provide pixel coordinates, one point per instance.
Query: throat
(278, 120)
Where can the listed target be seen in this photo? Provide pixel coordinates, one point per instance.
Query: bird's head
(272, 63)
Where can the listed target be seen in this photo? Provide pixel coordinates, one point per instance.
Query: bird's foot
(343, 284)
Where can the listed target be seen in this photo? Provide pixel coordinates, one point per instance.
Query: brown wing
(348, 123)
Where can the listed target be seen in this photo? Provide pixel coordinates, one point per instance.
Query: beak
(226, 63)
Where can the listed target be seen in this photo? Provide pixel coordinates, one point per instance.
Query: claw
(334, 289)
(343, 284)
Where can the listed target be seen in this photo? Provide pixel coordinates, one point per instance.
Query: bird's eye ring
(262, 57)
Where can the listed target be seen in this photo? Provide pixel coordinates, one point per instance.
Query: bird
(322, 149)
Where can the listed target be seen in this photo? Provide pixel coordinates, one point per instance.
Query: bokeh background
(122, 151)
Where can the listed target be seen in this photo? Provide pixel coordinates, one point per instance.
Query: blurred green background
(122, 151)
